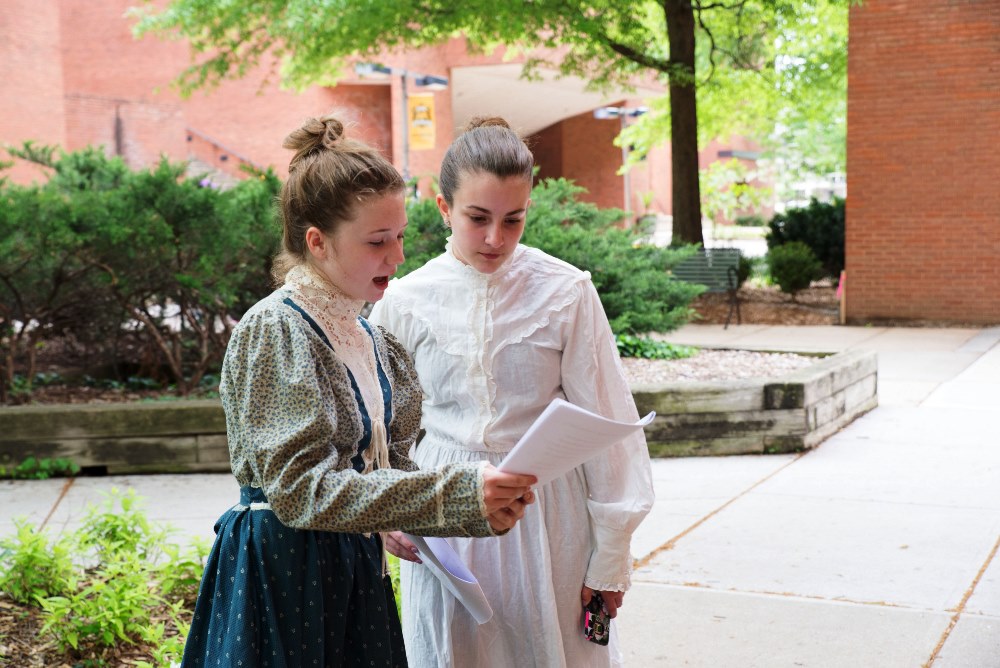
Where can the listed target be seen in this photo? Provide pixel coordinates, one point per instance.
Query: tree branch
(635, 56)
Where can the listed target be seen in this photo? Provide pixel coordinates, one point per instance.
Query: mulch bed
(816, 305)
(20, 646)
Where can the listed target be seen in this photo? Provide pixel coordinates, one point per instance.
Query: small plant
(33, 567)
(114, 605)
(116, 581)
(639, 346)
(120, 526)
(22, 385)
(40, 469)
(794, 266)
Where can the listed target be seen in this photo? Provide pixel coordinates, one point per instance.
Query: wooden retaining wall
(787, 414)
(794, 412)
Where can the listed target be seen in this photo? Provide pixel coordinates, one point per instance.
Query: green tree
(749, 66)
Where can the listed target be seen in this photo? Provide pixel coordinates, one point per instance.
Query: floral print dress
(321, 409)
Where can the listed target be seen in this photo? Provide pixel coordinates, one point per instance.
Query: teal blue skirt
(275, 597)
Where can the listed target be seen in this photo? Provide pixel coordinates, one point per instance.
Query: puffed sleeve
(284, 410)
(620, 480)
(407, 399)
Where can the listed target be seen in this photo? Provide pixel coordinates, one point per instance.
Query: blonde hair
(488, 145)
(328, 177)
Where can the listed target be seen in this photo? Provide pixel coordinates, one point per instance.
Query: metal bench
(718, 270)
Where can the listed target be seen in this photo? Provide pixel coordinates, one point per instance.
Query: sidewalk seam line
(961, 606)
(62, 494)
(669, 545)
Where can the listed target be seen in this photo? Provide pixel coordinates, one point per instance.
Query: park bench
(718, 270)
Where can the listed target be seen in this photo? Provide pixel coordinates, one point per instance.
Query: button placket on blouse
(486, 362)
(478, 338)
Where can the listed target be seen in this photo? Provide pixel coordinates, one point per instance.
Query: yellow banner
(421, 121)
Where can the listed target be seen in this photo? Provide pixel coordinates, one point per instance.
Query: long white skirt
(532, 577)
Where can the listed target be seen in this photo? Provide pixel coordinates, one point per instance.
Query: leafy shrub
(631, 278)
(111, 606)
(794, 266)
(145, 269)
(646, 348)
(820, 226)
(743, 270)
(40, 469)
(33, 567)
(751, 221)
(426, 234)
(124, 584)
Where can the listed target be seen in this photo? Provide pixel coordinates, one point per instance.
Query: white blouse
(482, 392)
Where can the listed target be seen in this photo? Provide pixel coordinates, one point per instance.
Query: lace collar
(324, 298)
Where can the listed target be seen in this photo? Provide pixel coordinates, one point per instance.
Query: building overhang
(528, 105)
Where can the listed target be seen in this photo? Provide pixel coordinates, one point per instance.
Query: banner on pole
(420, 117)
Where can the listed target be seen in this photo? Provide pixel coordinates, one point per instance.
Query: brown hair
(487, 145)
(328, 176)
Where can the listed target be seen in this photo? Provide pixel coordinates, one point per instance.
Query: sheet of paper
(563, 437)
(448, 567)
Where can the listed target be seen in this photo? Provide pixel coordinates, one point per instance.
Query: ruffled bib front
(338, 317)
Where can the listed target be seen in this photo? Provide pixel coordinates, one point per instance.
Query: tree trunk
(686, 205)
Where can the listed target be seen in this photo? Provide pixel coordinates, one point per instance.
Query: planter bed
(790, 413)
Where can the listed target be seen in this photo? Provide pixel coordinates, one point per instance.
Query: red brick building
(72, 74)
(923, 216)
(923, 161)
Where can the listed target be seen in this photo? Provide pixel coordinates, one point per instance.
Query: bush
(743, 270)
(794, 266)
(631, 278)
(426, 234)
(33, 567)
(646, 348)
(145, 270)
(113, 582)
(820, 226)
(637, 293)
(751, 221)
(40, 469)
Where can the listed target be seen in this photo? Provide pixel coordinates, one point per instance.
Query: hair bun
(332, 131)
(486, 122)
(315, 134)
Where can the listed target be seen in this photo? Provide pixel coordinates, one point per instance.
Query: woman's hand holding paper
(505, 496)
(397, 543)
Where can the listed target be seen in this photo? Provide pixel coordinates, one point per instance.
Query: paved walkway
(878, 549)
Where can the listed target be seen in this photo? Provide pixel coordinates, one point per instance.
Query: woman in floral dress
(321, 408)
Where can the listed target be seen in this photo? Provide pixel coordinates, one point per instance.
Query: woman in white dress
(497, 330)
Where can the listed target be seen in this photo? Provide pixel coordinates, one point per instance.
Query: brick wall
(923, 154)
(31, 105)
(582, 148)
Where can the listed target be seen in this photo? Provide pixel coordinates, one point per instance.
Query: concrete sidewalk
(876, 549)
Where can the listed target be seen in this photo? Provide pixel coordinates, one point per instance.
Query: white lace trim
(337, 315)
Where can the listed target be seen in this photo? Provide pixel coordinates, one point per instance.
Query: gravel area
(711, 364)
